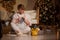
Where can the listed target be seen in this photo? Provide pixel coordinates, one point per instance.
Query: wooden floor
(42, 36)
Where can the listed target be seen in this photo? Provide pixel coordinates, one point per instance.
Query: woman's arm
(27, 21)
(15, 19)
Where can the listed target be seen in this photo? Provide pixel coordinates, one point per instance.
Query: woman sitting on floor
(21, 21)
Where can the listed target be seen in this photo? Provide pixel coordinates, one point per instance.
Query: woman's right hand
(17, 20)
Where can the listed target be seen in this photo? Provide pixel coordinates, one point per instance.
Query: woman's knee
(29, 29)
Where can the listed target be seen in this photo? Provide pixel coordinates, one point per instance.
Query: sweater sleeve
(15, 17)
(28, 18)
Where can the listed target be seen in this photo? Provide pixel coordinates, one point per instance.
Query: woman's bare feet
(21, 34)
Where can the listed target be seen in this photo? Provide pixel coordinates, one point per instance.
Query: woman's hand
(26, 20)
(17, 21)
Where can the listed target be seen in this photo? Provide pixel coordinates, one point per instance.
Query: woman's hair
(20, 6)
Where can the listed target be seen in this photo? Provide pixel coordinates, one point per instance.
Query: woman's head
(20, 8)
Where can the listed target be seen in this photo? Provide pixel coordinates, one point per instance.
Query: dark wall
(57, 3)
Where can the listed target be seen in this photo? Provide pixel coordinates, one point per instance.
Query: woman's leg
(16, 28)
(24, 28)
(27, 29)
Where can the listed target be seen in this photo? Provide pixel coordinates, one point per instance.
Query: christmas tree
(47, 13)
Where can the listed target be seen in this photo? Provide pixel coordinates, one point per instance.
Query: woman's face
(21, 11)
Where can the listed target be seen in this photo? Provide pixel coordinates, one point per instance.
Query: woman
(21, 22)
